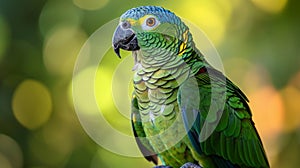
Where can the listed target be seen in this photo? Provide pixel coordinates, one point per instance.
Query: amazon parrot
(184, 112)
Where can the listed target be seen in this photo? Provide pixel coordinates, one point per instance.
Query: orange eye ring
(150, 22)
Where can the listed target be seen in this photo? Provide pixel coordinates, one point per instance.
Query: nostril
(125, 25)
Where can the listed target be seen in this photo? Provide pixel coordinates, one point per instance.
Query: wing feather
(235, 138)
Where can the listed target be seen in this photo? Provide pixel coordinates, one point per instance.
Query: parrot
(184, 112)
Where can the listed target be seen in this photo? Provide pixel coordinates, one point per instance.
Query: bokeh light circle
(61, 48)
(90, 4)
(5, 162)
(32, 104)
(10, 153)
(271, 6)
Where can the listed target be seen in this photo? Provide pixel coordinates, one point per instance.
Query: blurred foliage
(258, 41)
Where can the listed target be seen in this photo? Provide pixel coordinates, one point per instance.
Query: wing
(139, 133)
(234, 142)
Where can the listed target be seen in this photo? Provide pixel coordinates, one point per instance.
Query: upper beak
(124, 39)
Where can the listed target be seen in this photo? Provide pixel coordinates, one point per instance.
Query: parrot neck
(168, 53)
(151, 60)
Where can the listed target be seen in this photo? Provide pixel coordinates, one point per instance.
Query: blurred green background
(258, 41)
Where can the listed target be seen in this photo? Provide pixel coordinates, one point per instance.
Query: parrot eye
(125, 25)
(150, 22)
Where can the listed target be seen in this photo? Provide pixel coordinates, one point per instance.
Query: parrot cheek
(124, 39)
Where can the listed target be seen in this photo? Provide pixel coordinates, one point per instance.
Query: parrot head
(150, 27)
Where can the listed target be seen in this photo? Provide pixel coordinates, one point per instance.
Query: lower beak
(124, 39)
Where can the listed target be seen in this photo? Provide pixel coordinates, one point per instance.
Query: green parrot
(184, 112)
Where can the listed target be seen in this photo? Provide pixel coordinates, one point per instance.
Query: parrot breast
(156, 90)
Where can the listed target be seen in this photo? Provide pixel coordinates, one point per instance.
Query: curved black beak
(124, 39)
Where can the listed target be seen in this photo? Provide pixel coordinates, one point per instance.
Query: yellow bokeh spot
(4, 162)
(291, 97)
(10, 153)
(83, 93)
(32, 105)
(272, 6)
(90, 4)
(61, 49)
(211, 16)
